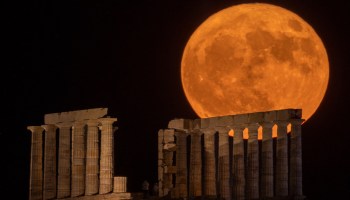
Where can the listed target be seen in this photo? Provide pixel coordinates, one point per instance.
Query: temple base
(109, 196)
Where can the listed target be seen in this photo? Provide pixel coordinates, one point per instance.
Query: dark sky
(126, 55)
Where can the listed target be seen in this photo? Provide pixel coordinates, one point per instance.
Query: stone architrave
(266, 188)
(106, 160)
(209, 189)
(181, 163)
(36, 165)
(295, 179)
(78, 159)
(224, 164)
(253, 162)
(92, 158)
(239, 181)
(282, 159)
(50, 187)
(76, 115)
(195, 186)
(64, 160)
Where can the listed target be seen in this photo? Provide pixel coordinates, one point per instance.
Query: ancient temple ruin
(72, 157)
(198, 158)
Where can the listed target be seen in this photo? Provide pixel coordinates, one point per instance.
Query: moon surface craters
(252, 58)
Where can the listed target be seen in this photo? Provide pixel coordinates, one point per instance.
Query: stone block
(213, 121)
(256, 117)
(205, 123)
(181, 124)
(168, 135)
(120, 184)
(197, 123)
(225, 121)
(77, 115)
(169, 147)
(287, 114)
(241, 119)
(270, 116)
(298, 114)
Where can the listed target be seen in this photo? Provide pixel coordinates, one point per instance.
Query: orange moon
(252, 58)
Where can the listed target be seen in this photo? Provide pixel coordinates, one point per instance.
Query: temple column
(224, 164)
(238, 165)
(195, 165)
(160, 162)
(253, 162)
(282, 159)
(36, 165)
(106, 160)
(92, 158)
(181, 163)
(266, 187)
(296, 189)
(209, 162)
(168, 155)
(50, 187)
(78, 159)
(64, 160)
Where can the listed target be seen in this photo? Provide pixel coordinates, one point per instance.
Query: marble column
(238, 164)
(92, 158)
(168, 156)
(36, 164)
(78, 159)
(195, 165)
(64, 160)
(253, 162)
(209, 189)
(296, 160)
(224, 164)
(50, 187)
(106, 160)
(160, 162)
(266, 187)
(282, 159)
(181, 163)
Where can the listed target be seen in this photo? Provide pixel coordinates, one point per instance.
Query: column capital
(196, 132)
(208, 131)
(267, 124)
(282, 123)
(238, 132)
(253, 130)
(238, 128)
(92, 122)
(107, 120)
(222, 130)
(180, 132)
(253, 126)
(64, 125)
(49, 127)
(35, 129)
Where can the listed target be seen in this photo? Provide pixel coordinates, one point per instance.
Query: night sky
(126, 55)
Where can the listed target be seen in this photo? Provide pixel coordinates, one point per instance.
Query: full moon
(253, 58)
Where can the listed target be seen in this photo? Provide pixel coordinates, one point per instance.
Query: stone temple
(198, 159)
(72, 157)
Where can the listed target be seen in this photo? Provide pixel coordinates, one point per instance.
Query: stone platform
(110, 196)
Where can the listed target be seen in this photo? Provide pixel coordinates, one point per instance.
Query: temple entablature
(234, 121)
